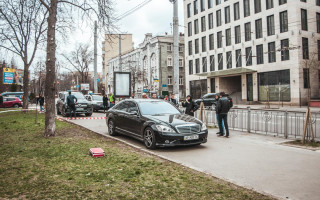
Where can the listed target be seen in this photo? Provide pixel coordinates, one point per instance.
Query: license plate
(191, 137)
(79, 109)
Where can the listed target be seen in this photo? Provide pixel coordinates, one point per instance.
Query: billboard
(8, 75)
(122, 84)
(85, 86)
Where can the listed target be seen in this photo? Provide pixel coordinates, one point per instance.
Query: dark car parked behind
(208, 99)
(155, 122)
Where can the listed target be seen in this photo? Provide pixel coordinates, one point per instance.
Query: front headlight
(165, 129)
(203, 127)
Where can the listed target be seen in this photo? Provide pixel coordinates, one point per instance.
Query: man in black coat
(222, 109)
(174, 100)
(72, 104)
(190, 106)
(40, 101)
(105, 103)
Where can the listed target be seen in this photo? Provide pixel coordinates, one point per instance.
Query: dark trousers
(190, 113)
(224, 118)
(72, 110)
(105, 107)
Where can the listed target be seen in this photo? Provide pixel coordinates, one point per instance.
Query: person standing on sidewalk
(72, 104)
(105, 103)
(174, 100)
(111, 100)
(190, 106)
(40, 101)
(223, 107)
(217, 97)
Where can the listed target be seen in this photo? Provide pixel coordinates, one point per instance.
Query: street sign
(84, 86)
(145, 90)
(8, 75)
(164, 85)
(78, 86)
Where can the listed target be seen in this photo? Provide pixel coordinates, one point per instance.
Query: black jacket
(174, 101)
(223, 105)
(70, 99)
(190, 106)
(105, 100)
(41, 101)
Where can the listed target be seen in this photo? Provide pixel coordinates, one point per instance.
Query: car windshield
(157, 108)
(97, 98)
(77, 95)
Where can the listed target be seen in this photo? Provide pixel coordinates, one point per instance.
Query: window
(203, 23)
(180, 80)
(236, 10)
(169, 80)
(304, 20)
(196, 27)
(248, 56)
(212, 63)
(169, 47)
(318, 2)
(190, 48)
(203, 44)
(218, 2)
(197, 66)
(269, 4)
(218, 13)
(258, 28)
(189, 29)
(220, 61)
(259, 54)
(271, 52)
(229, 59)
(202, 6)
(306, 78)
(180, 48)
(246, 8)
(285, 50)
(204, 64)
(228, 37)
(270, 25)
(169, 61)
(318, 50)
(257, 6)
(211, 42)
(227, 14)
(247, 27)
(190, 66)
(210, 4)
(180, 62)
(318, 22)
(219, 39)
(195, 7)
(283, 21)
(196, 46)
(237, 33)
(238, 58)
(210, 21)
(189, 10)
(305, 48)
(282, 2)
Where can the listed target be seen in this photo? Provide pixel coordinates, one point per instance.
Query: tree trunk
(50, 124)
(25, 86)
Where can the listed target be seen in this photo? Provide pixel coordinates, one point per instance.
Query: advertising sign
(85, 86)
(122, 84)
(8, 75)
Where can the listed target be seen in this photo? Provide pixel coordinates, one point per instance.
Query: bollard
(286, 124)
(249, 120)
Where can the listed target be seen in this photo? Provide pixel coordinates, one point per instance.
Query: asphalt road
(250, 160)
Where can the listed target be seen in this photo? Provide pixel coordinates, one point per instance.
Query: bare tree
(22, 26)
(87, 9)
(80, 60)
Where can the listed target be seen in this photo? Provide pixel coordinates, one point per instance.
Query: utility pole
(175, 48)
(120, 64)
(95, 58)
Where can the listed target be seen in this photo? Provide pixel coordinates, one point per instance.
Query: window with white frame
(180, 80)
(180, 62)
(180, 48)
(169, 80)
(169, 47)
(169, 61)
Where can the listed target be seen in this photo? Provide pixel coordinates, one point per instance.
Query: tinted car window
(157, 108)
(123, 106)
(132, 107)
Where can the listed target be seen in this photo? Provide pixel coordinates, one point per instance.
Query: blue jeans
(220, 128)
(41, 108)
(223, 118)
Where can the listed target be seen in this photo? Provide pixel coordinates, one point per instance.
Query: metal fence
(279, 123)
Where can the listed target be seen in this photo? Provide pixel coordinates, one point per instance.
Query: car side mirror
(134, 112)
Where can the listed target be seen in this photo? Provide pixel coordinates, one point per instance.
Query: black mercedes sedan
(157, 123)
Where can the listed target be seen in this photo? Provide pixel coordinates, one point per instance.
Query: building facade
(151, 66)
(255, 50)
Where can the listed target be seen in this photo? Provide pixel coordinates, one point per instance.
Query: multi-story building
(110, 49)
(255, 50)
(151, 65)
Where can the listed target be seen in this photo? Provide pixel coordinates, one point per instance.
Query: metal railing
(277, 123)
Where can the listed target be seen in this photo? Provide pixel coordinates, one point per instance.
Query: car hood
(82, 101)
(174, 120)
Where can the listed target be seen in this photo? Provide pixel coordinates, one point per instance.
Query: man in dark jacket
(1, 100)
(222, 109)
(40, 101)
(105, 103)
(190, 106)
(174, 100)
(72, 104)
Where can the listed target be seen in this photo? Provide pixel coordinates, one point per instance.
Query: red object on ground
(96, 152)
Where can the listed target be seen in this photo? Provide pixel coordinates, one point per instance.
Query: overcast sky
(155, 17)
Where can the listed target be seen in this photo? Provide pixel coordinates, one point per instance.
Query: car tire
(88, 114)
(149, 138)
(111, 128)
(16, 106)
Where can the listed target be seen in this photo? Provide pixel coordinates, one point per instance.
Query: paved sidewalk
(250, 160)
